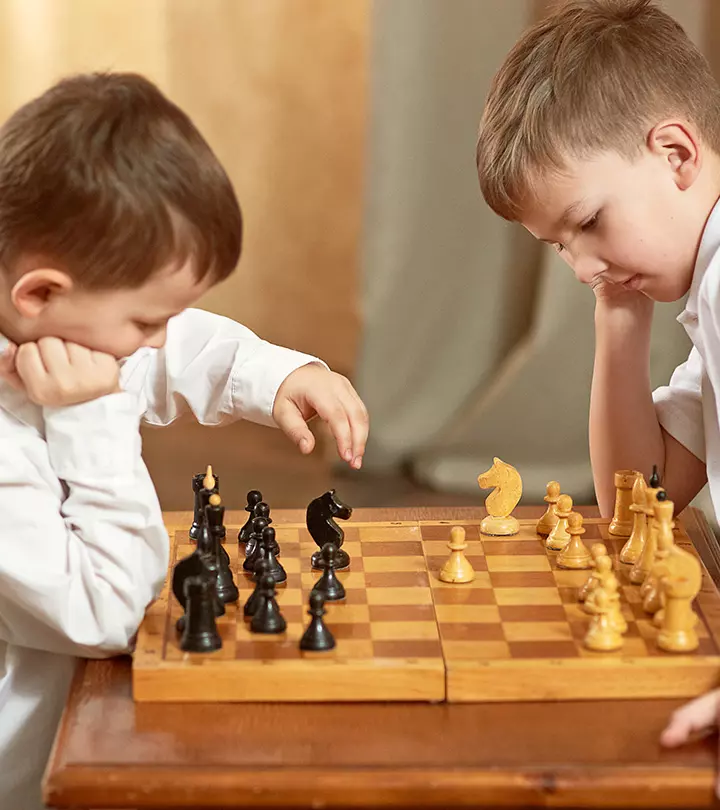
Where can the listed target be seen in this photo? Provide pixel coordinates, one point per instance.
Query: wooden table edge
(613, 787)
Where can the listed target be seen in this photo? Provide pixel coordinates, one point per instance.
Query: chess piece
(220, 563)
(259, 523)
(622, 523)
(559, 537)
(632, 550)
(651, 589)
(549, 520)
(317, 637)
(654, 478)
(611, 587)
(201, 495)
(199, 633)
(320, 521)
(507, 491)
(275, 570)
(457, 568)
(678, 633)
(647, 557)
(200, 563)
(601, 635)
(329, 585)
(597, 550)
(253, 601)
(267, 618)
(603, 574)
(253, 497)
(261, 510)
(679, 563)
(215, 514)
(575, 554)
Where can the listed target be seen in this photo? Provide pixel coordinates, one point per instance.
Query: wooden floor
(248, 456)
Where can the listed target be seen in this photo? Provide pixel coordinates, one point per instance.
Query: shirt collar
(709, 247)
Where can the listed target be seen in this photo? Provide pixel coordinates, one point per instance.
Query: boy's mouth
(632, 283)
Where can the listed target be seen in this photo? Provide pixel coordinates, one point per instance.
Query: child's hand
(56, 373)
(312, 389)
(697, 718)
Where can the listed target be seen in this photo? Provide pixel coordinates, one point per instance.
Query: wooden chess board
(514, 633)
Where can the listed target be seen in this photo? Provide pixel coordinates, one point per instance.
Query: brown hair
(593, 76)
(106, 178)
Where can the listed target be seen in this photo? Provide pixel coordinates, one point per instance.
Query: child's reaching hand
(311, 390)
(697, 718)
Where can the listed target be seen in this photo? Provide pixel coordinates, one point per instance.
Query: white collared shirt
(688, 406)
(84, 549)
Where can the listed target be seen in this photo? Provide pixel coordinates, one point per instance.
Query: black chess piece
(259, 523)
(323, 528)
(261, 510)
(202, 497)
(224, 583)
(276, 571)
(253, 498)
(661, 496)
(215, 515)
(200, 633)
(654, 478)
(199, 563)
(251, 605)
(317, 637)
(267, 618)
(329, 585)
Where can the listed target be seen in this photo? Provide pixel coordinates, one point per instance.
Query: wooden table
(111, 752)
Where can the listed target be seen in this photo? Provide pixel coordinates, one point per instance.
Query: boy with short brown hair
(601, 136)
(115, 216)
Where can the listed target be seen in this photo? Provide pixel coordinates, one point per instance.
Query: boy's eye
(589, 223)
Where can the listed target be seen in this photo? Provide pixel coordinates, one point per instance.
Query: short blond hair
(593, 76)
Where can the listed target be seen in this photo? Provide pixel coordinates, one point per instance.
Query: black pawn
(261, 510)
(317, 637)
(329, 585)
(259, 523)
(200, 631)
(253, 498)
(251, 605)
(269, 544)
(654, 478)
(267, 618)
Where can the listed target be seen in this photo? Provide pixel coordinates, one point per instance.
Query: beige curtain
(477, 342)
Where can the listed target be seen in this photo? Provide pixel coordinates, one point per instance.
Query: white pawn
(559, 536)
(457, 568)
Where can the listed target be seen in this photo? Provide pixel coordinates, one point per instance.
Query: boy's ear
(36, 289)
(678, 144)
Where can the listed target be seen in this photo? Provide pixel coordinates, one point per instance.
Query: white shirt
(83, 548)
(688, 406)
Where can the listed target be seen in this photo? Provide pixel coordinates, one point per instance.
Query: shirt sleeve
(679, 405)
(84, 546)
(217, 369)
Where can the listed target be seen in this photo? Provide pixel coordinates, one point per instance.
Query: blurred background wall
(348, 128)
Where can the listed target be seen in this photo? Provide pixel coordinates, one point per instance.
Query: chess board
(514, 633)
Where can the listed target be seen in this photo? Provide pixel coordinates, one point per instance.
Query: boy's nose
(588, 267)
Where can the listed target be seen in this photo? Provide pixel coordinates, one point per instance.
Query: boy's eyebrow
(571, 209)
